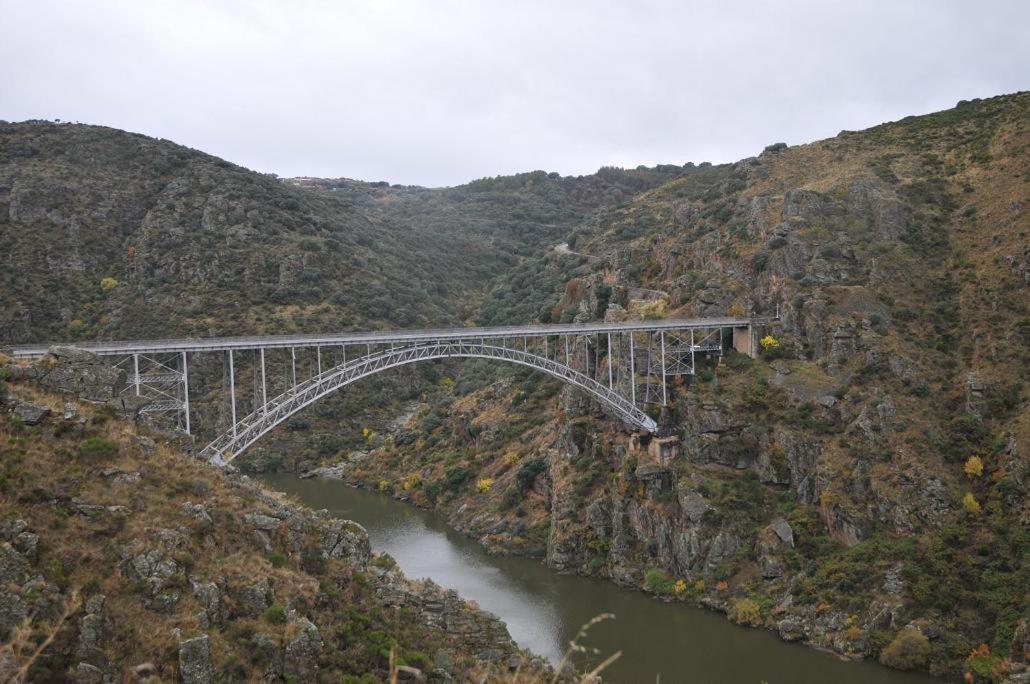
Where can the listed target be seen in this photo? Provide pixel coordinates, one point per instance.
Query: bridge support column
(743, 341)
(264, 388)
(232, 393)
(664, 393)
(185, 393)
(135, 372)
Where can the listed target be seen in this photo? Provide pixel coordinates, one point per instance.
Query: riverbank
(544, 609)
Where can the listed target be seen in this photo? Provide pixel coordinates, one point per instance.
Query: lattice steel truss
(623, 366)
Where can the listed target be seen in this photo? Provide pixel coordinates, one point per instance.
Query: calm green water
(544, 610)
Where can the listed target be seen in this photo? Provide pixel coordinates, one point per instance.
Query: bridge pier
(744, 340)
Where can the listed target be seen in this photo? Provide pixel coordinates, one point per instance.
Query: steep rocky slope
(121, 559)
(862, 486)
(114, 235)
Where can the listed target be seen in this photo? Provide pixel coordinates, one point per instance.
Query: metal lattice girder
(250, 428)
(399, 337)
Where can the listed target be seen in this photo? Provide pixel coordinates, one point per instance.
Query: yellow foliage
(699, 587)
(384, 485)
(679, 588)
(411, 482)
(970, 503)
(737, 310)
(769, 342)
(108, 284)
(447, 383)
(512, 458)
(746, 612)
(655, 309)
(974, 467)
(485, 485)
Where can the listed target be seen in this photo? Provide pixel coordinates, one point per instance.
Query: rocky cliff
(122, 559)
(862, 485)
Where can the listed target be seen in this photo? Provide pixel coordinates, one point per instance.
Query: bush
(276, 614)
(974, 467)
(277, 559)
(746, 612)
(910, 650)
(528, 472)
(97, 449)
(658, 581)
(970, 503)
(485, 485)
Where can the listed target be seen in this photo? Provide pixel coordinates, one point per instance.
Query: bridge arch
(252, 427)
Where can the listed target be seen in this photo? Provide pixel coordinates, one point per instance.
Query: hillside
(123, 559)
(113, 235)
(862, 486)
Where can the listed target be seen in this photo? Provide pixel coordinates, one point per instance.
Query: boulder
(88, 674)
(783, 530)
(29, 413)
(790, 629)
(301, 657)
(195, 661)
(80, 373)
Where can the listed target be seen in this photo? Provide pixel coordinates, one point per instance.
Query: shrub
(97, 449)
(746, 612)
(909, 650)
(970, 503)
(485, 485)
(276, 614)
(985, 666)
(529, 471)
(974, 467)
(277, 559)
(455, 477)
(658, 581)
(108, 284)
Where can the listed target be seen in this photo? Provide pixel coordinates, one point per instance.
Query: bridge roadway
(209, 344)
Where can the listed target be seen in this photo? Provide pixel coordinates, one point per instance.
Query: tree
(909, 650)
(974, 467)
(107, 284)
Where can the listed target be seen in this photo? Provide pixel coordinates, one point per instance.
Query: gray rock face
(91, 632)
(254, 599)
(790, 629)
(260, 521)
(77, 372)
(88, 674)
(210, 596)
(784, 531)
(345, 540)
(30, 414)
(301, 657)
(195, 661)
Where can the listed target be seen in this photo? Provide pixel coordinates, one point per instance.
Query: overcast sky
(439, 93)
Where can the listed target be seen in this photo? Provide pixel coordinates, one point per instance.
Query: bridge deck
(378, 337)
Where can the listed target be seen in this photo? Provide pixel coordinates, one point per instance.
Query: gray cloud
(438, 93)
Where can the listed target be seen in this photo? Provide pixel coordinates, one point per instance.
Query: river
(544, 610)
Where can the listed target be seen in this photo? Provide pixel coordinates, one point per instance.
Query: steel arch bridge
(623, 366)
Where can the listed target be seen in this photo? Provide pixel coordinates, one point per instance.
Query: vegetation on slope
(123, 558)
(862, 481)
